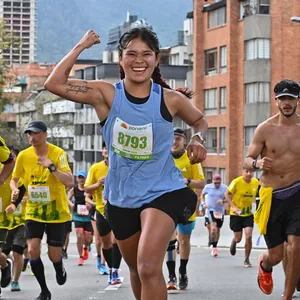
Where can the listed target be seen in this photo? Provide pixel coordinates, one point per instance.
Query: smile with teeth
(138, 69)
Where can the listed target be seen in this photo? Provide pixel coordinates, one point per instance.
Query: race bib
(217, 215)
(39, 194)
(134, 142)
(82, 210)
(18, 210)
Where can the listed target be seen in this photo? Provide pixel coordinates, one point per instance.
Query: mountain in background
(62, 23)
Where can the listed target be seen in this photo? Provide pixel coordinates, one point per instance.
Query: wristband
(189, 180)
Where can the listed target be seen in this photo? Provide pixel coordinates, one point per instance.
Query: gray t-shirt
(212, 195)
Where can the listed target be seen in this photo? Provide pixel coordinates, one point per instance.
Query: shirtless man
(277, 142)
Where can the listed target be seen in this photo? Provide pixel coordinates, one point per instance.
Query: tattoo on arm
(82, 88)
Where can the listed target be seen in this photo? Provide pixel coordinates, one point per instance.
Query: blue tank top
(139, 141)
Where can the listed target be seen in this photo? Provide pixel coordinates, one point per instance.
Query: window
(211, 61)
(222, 140)
(217, 17)
(223, 59)
(257, 92)
(223, 175)
(264, 7)
(209, 173)
(257, 48)
(249, 131)
(210, 101)
(223, 99)
(211, 140)
(172, 83)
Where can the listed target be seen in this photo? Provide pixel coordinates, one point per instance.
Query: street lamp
(295, 19)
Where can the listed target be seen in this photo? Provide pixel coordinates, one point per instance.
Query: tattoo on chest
(82, 88)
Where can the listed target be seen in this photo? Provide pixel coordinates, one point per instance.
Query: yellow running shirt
(4, 151)
(189, 171)
(47, 198)
(243, 195)
(97, 171)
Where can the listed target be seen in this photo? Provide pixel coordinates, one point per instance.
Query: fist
(196, 152)
(44, 161)
(265, 163)
(10, 209)
(15, 194)
(89, 39)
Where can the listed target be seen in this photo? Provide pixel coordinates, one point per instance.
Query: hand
(15, 194)
(44, 161)
(196, 151)
(205, 206)
(10, 209)
(101, 180)
(264, 163)
(104, 201)
(235, 210)
(220, 201)
(72, 206)
(89, 39)
(24, 199)
(88, 205)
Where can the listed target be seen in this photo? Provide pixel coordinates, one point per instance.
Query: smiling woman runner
(144, 188)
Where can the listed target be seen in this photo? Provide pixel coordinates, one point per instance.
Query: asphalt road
(210, 278)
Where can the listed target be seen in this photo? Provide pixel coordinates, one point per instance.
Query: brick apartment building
(241, 50)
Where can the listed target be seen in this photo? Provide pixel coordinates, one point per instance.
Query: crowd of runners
(150, 183)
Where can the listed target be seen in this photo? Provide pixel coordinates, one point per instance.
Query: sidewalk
(200, 235)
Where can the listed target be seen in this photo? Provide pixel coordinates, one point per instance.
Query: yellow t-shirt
(96, 171)
(47, 198)
(10, 221)
(189, 171)
(243, 195)
(4, 151)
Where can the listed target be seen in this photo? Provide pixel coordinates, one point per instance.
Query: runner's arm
(95, 93)
(14, 183)
(70, 196)
(91, 188)
(65, 178)
(256, 147)
(228, 197)
(88, 199)
(6, 170)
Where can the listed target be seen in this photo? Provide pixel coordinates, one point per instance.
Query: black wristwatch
(52, 168)
(189, 180)
(254, 164)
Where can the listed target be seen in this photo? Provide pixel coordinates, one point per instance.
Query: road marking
(114, 287)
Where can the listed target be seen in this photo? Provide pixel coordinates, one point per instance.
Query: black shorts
(179, 205)
(68, 226)
(3, 236)
(219, 222)
(56, 232)
(284, 217)
(237, 223)
(86, 226)
(93, 213)
(102, 224)
(206, 221)
(15, 240)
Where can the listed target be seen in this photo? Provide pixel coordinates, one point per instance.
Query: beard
(289, 114)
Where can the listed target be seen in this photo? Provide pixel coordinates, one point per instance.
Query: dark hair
(15, 150)
(150, 39)
(103, 145)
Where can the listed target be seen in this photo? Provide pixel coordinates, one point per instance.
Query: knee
(79, 233)
(238, 239)
(34, 253)
(147, 271)
(184, 241)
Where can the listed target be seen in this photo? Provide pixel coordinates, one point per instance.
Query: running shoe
(214, 252)
(172, 283)
(103, 270)
(264, 279)
(6, 274)
(85, 253)
(115, 278)
(61, 276)
(247, 263)
(109, 279)
(15, 287)
(183, 281)
(90, 247)
(298, 285)
(25, 264)
(44, 296)
(233, 248)
(80, 261)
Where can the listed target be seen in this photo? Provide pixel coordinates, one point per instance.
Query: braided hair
(150, 39)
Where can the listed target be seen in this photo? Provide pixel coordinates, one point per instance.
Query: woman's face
(138, 61)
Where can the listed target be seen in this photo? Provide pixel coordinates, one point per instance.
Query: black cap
(287, 87)
(36, 126)
(180, 132)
